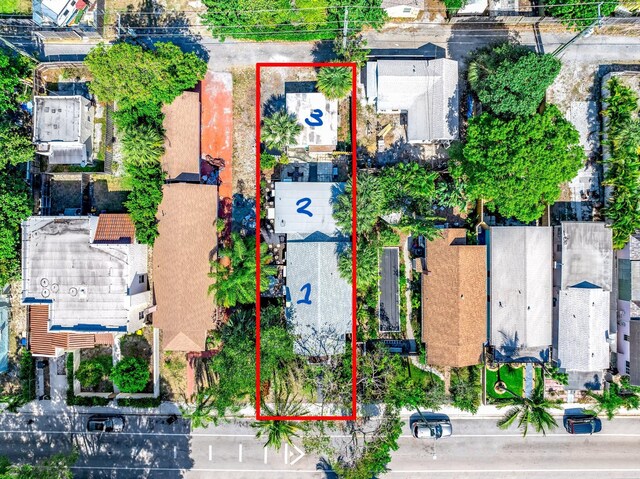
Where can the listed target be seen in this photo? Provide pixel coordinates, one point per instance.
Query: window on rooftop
(141, 278)
(626, 337)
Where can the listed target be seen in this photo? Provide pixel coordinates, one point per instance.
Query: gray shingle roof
(321, 325)
(426, 89)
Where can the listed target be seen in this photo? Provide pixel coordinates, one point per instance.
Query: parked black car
(583, 424)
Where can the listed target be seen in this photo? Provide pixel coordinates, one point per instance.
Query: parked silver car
(105, 424)
(435, 429)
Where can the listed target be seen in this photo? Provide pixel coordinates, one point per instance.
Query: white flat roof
(306, 207)
(89, 287)
(317, 116)
(521, 288)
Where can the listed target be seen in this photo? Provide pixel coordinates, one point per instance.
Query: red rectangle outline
(353, 67)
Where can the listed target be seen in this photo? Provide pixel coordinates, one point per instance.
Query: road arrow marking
(297, 458)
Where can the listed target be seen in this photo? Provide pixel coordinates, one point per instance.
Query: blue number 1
(305, 202)
(307, 292)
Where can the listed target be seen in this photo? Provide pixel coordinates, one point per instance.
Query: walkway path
(528, 379)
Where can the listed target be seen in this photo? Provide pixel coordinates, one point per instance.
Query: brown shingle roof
(454, 298)
(182, 136)
(114, 228)
(187, 226)
(44, 343)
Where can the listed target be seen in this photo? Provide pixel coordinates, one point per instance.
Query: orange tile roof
(182, 136)
(44, 343)
(454, 300)
(187, 241)
(115, 228)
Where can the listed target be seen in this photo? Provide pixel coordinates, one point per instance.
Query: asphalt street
(151, 448)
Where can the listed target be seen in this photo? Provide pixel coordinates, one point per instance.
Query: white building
(88, 270)
(318, 117)
(584, 302)
(58, 13)
(402, 8)
(426, 90)
(63, 129)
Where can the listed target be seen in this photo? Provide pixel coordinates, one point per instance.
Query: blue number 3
(305, 202)
(307, 292)
(316, 118)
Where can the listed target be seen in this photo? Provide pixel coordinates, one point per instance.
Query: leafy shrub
(140, 402)
(579, 14)
(92, 371)
(280, 130)
(466, 388)
(131, 375)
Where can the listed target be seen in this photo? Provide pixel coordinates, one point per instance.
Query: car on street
(432, 429)
(583, 424)
(105, 424)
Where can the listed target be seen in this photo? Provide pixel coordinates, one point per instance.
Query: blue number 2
(305, 202)
(316, 118)
(307, 292)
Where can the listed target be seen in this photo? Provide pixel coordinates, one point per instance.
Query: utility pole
(586, 32)
(344, 28)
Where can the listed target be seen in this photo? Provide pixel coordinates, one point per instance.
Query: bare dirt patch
(173, 375)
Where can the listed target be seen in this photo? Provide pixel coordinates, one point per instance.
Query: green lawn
(424, 378)
(15, 6)
(513, 378)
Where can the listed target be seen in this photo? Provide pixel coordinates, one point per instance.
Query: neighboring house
(59, 13)
(318, 117)
(318, 299)
(63, 129)
(403, 8)
(182, 252)
(584, 302)
(520, 278)
(454, 300)
(43, 343)
(88, 270)
(426, 90)
(181, 159)
(628, 335)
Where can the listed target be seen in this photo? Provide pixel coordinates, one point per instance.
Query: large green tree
(15, 206)
(132, 75)
(143, 145)
(518, 165)
(14, 69)
(15, 145)
(370, 200)
(510, 79)
(234, 272)
(57, 466)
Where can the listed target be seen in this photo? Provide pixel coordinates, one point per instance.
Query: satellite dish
(55, 287)
(45, 293)
(44, 282)
(73, 291)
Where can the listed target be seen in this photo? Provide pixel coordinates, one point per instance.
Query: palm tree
(201, 414)
(529, 411)
(235, 272)
(334, 82)
(613, 398)
(279, 432)
(370, 197)
(280, 130)
(144, 144)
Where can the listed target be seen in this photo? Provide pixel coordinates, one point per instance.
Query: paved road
(151, 448)
(456, 40)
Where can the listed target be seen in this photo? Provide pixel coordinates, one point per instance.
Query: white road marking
(239, 452)
(210, 452)
(265, 455)
(297, 458)
(175, 452)
(286, 453)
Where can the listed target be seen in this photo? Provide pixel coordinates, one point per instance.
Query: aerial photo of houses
(314, 239)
